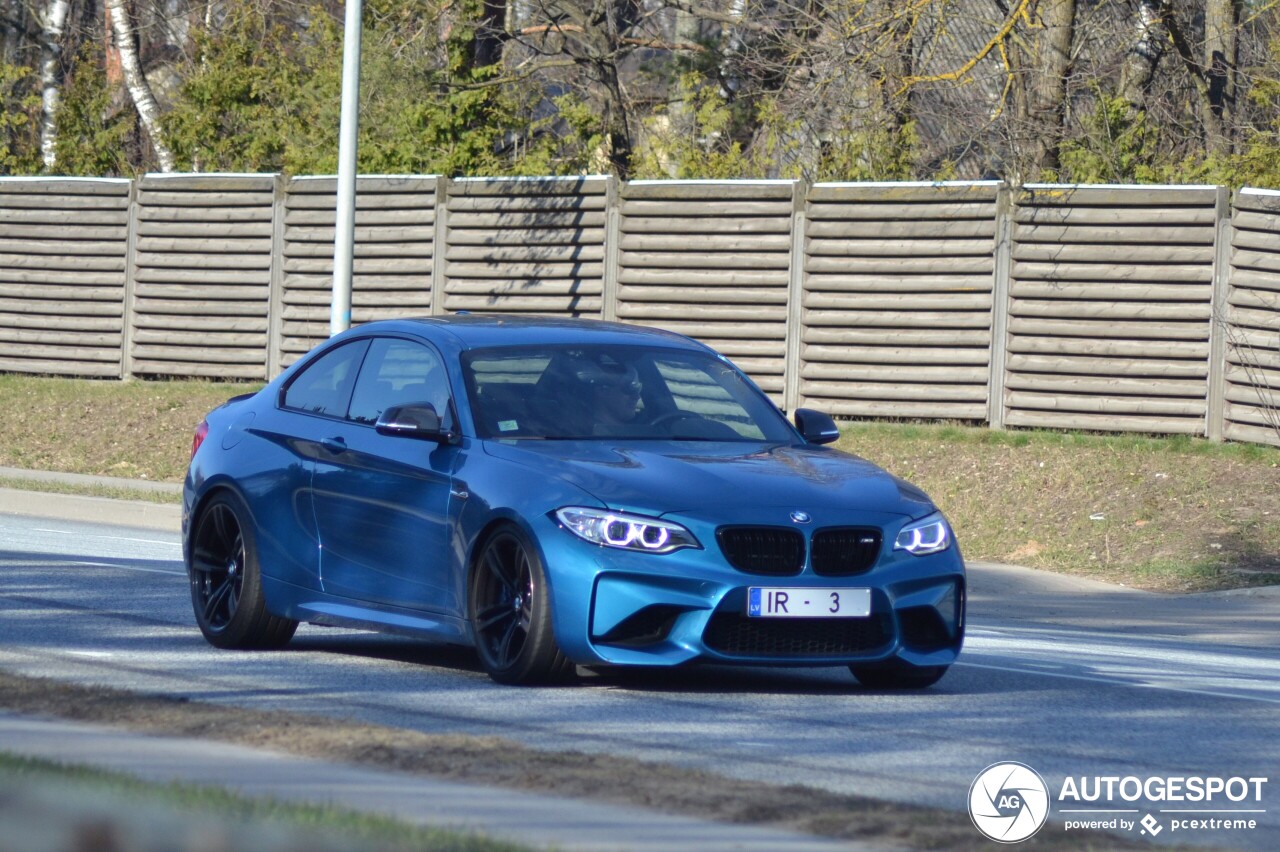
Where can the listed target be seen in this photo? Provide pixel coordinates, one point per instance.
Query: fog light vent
(648, 626)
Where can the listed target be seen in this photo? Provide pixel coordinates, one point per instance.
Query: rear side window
(324, 386)
(399, 372)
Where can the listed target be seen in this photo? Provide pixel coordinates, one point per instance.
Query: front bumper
(616, 607)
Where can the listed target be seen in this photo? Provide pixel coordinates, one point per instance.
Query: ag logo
(1008, 802)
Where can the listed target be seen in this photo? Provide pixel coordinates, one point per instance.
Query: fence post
(1000, 306)
(612, 249)
(439, 245)
(130, 299)
(275, 293)
(1215, 418)
(795, 299)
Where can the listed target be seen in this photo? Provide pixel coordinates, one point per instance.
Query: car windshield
(583, 392)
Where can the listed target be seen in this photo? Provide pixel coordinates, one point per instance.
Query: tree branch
(1182, 46)
(1019, 12)
(719, 17)
(655, 43)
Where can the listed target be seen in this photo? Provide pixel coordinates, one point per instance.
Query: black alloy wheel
(226, 584)
(510, 611)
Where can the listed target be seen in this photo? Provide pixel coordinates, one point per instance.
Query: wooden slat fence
(1252, 320)
(62, 275)
(1153, 309)
(1109, 311)
(711, 259)
(526, 245)
(202, 271)
(392, 267)
(897, 300)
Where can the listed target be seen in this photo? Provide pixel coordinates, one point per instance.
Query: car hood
(658, 479)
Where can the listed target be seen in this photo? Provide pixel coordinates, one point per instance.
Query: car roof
(478, 331)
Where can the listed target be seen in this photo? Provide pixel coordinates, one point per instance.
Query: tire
(226, 580)
(898, 675)
(510, 610)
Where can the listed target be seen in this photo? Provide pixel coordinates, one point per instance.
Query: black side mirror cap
(418, 420)
(816, 427)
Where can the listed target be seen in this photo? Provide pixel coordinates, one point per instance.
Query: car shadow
(706, 678)
(391, 648)
(697, 679)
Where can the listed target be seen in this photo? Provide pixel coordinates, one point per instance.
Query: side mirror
(816, 427)
(418, 420)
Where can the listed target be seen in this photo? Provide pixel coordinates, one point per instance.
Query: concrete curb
(103, 510)
(80, 507)
(84, 480)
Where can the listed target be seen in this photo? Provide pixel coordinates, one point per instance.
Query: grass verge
(118, 811)
(1168, 514)
(92, 490)
(132, 430)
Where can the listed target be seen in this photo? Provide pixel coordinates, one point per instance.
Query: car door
(382, 502)
(279, 489)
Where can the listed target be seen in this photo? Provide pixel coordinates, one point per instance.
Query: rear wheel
(226, 581)
(510, 611)
(898, 675)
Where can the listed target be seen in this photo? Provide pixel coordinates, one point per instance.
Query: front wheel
(510, 611)
(226, 581)
(898, 675)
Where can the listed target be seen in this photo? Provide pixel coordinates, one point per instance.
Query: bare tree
(1145, 49)
(1047, 61)
(594, 48)
(136, 82)
(1221, 59)
(53, 22)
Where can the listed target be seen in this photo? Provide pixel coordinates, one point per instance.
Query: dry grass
(134, 430)
(1171, 514)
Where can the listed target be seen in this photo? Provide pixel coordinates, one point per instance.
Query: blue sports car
(558, 493)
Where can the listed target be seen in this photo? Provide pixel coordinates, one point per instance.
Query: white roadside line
(992, 636)
(130, 568)
(1164, 687)
(79, 534)
(1120, 647)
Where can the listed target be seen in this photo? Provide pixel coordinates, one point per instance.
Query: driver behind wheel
(615, 394)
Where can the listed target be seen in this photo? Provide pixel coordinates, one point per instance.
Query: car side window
(324, 386)
(400, 372)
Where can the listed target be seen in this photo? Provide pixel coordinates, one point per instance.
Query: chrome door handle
(334, 445)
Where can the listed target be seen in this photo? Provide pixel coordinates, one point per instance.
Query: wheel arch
(212, 488)
(498, 520)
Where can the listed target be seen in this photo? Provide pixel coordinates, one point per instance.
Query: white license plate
(808, 603)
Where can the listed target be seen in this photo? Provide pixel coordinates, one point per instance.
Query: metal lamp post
(348, 136)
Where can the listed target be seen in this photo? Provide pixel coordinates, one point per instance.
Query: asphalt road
(1179, 691)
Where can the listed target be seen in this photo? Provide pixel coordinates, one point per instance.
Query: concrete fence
(1152, 309)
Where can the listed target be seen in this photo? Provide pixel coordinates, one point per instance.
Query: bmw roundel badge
(801, 517)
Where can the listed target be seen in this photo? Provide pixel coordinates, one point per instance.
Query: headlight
(923, 537)
(629, 532)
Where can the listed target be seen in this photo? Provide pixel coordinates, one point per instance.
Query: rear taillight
(202, 432)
